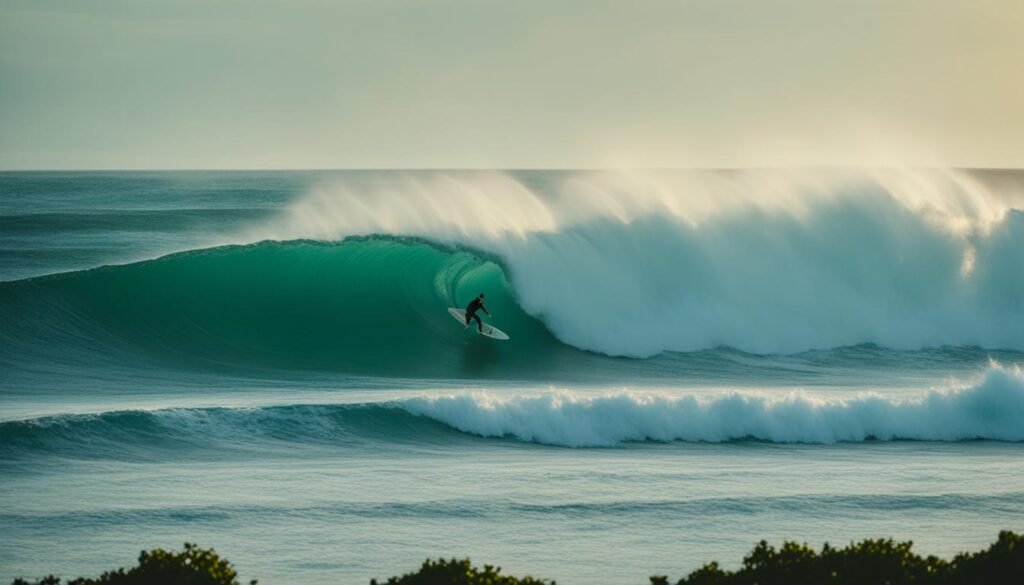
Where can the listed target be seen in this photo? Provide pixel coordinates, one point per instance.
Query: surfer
(474, 306)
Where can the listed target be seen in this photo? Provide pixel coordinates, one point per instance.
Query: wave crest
(992, 409)
(631, 264)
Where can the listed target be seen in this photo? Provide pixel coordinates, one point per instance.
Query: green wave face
(374, 306)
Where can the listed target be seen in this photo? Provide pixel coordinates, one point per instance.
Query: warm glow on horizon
(311, 84)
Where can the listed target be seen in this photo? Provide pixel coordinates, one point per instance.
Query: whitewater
(262, 362)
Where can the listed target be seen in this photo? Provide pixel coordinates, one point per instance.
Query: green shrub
(869, 562)
(192, 566)
(459, 572)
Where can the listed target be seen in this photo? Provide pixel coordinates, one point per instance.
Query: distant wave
(684, 505)
(992, 409)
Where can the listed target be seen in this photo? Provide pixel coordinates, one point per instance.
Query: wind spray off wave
(762, 262)
(765, 262)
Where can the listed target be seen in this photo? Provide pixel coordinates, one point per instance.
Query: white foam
(991, 409)
(635, 264)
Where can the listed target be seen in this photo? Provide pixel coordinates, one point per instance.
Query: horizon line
(512, 169)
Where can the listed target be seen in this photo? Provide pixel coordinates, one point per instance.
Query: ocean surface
(262, 362)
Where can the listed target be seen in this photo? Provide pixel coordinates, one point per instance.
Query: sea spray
(634, 264)
(610, 263)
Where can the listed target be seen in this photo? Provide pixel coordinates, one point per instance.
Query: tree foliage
(459, 572)
(869, 562)
(192, 566)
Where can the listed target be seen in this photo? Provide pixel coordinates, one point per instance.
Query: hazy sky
(423, 83)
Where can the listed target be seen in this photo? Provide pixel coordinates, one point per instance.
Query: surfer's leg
(468, 317)
(479, 323)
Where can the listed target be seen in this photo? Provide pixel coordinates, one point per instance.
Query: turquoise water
(263, 363)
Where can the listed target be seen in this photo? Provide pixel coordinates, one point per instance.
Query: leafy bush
(459, 572)
(869, 562)
(882, 562)
(192, 566)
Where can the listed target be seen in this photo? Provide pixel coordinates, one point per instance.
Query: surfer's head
(481, 295)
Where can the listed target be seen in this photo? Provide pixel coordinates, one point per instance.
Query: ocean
(263, 363)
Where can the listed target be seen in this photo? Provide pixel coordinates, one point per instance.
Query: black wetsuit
(471, 310)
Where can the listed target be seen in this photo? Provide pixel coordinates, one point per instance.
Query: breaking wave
(357, 279)
(992, 409)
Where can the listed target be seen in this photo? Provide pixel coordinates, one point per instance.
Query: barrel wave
(764, 262)
(579, 268)
(372, 306)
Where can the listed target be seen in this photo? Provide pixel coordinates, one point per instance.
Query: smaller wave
(992, 409)
(200, 432)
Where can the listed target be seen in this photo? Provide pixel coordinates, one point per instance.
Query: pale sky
(121, 84)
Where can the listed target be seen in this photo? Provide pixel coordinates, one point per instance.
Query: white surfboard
(492, 332)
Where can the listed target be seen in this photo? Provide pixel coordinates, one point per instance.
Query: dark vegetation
(192, 566)
(458, 572)
(869, 562)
